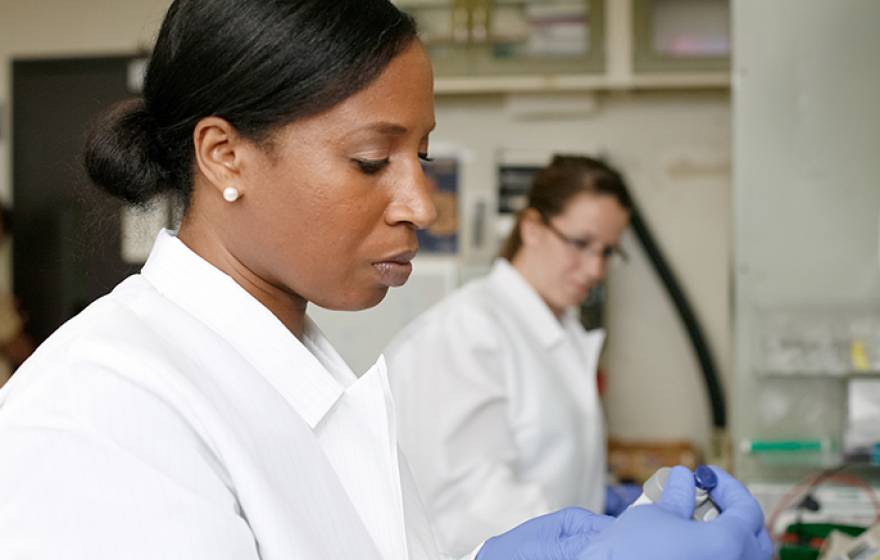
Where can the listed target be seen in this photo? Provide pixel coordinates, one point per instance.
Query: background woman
(496, 387)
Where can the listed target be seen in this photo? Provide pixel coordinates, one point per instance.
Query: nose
(412, 203)
(596, 265)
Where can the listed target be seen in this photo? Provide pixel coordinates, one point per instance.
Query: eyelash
(372, 167)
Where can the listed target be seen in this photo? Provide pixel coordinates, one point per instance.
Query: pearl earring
(231, 194)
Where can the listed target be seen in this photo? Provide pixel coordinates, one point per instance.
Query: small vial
(705, 480)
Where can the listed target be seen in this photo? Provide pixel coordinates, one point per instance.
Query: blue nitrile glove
(618, 497)
(556, 536)
(665, 531)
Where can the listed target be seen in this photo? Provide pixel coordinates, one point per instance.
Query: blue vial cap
(705, 478)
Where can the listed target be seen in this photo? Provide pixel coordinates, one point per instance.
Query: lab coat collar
(217, 300)
(524, 300)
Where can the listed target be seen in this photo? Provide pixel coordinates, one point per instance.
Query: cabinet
(499, 46)
(475, 38)
(681, 35)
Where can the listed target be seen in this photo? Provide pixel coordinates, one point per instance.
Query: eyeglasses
(587, 245)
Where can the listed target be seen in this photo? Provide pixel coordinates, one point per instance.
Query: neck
(206, 242)
(530, 271)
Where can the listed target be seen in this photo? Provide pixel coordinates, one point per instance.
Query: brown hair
(555, 185)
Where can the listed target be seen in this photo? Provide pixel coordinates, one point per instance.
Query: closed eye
(371, 166)
(581, 244)
(424, 157)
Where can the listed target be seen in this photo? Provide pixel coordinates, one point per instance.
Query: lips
(395, 270)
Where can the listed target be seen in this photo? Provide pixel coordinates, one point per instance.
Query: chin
(570, 302)
(356, 301)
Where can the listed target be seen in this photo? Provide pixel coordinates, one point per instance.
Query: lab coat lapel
(363, 418)
(576, 350)
(419, 529)
(252, 330)
(588, 344)
(530, 311)
(282, 394)
(578, 358)
(269, 476)
(567, 365)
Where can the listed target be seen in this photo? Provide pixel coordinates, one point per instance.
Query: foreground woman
(195, 412)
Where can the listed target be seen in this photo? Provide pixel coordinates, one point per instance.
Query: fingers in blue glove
(578, 521)
(580, 530)
(736, 502)
(665, 530)
(555, 536)
(765, 543)
(679, 493)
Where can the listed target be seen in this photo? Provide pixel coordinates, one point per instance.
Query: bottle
(705, 480)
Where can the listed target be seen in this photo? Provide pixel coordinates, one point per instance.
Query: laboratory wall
(674, 146)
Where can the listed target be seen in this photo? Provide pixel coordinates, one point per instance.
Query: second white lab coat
(178, 419)
(498, 409)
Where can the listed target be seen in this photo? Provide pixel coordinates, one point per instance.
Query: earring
(231, 194)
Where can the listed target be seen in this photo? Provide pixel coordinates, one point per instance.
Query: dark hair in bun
(259, 64)
(120, 155)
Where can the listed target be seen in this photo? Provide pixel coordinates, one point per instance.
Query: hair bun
(121, 153)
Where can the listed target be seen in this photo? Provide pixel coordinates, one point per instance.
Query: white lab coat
(177, 418)
(498, 409)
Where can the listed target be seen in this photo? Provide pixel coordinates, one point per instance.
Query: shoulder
(108, 364)
(109, 380)
(116, 331)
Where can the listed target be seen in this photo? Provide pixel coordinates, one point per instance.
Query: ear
(218, 152)
(530, 230)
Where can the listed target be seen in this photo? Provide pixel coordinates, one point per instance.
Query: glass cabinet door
(681, 35)
(471, 38)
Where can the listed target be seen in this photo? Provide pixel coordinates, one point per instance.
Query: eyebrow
(391, 128)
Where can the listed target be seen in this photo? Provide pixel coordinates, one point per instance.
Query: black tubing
(685, 311)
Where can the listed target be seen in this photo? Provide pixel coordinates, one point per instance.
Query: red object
(601, 381)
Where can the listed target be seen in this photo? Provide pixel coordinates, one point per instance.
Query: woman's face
(567, 273)
(329, 213)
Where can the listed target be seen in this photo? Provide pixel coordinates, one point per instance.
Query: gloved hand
(619, 496)
(556, 536)
(665, 531)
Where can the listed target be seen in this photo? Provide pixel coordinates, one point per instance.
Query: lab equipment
(841, 546)
(863, 422)
(821, 452)
(705, 481)
(665, 530)
(784, 445)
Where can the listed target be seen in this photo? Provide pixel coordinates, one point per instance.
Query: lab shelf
(846, 376)
(533, 56)
(598, 82)
(681, 35)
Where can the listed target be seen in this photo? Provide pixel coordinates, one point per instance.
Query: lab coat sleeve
(95, 467)
(448, 378)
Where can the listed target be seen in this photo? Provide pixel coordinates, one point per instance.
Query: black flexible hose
(685, 311)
